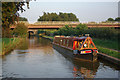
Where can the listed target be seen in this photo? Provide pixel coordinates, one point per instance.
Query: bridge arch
(31, 33)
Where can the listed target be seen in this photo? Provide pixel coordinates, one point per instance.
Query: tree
(20, 30)
(72, 17)
(79, 29)
(58, 17)
(10, 13)
(117, 19)
(22, 19)
(66, 30)
(0, 13)
(110, 19)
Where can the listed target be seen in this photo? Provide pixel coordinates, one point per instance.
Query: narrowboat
(81, 48)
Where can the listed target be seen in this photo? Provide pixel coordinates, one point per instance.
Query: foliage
(58, 17)
(8, 44)
(20, 30)
(22, 19)
(110, 19)
(80, 29)
(10, 13)
(40, 31)
(103, 33)
(100, 33)
(117, 19)
(6, 33)
(67, 30)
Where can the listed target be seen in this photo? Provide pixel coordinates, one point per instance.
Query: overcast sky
(94, 10)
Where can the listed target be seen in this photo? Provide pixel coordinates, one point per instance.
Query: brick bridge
(57, 24)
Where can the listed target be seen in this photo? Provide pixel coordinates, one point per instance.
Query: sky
(86, 11)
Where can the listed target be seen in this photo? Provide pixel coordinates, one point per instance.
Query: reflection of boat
(79, 47)
(85, 69)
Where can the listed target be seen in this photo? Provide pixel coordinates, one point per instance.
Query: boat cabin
(83, 44)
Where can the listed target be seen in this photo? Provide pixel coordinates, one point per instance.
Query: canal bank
(9, 44)
(103, 56)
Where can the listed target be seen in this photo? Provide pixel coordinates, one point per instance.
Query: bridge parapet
(59, 24)
(56, 23)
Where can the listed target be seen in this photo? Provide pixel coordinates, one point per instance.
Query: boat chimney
(87, 35)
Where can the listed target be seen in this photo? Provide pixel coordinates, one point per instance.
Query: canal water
(36, 58)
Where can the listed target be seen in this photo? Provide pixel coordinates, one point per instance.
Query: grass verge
(50, 37)
(106, 43)
(109, 52)
(8, 44)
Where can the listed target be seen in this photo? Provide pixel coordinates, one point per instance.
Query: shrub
(80, 29)
(100, 33)
(20, 30)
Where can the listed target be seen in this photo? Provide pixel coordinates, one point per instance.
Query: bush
(67, 30)
(20, 30)
(80, 29)
(100, 33)
(103, 33)
(6, 33)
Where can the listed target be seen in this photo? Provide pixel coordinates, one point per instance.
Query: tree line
(82, 29)
(116, 19)
(22, 19)
(58, 17)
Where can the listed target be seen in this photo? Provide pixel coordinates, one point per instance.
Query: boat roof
(73, 38)
(80, 38)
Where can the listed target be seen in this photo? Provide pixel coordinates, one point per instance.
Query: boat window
(57, 40)
(70, 43)
(67, 43)
(64, 42)
(60, 41)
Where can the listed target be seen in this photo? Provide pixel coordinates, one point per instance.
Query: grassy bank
(106, 43)
(50, 37)
(8, 44)
(108, 47)
(104, 46)
(109, 52)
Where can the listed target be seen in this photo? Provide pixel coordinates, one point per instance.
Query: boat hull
(69, 52)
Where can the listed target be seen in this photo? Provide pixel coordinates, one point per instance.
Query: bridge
(58, 24)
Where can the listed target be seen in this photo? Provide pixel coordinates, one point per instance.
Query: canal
(35, 58)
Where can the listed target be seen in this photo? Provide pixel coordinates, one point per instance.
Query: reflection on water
(35, 58)
(87, 70)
